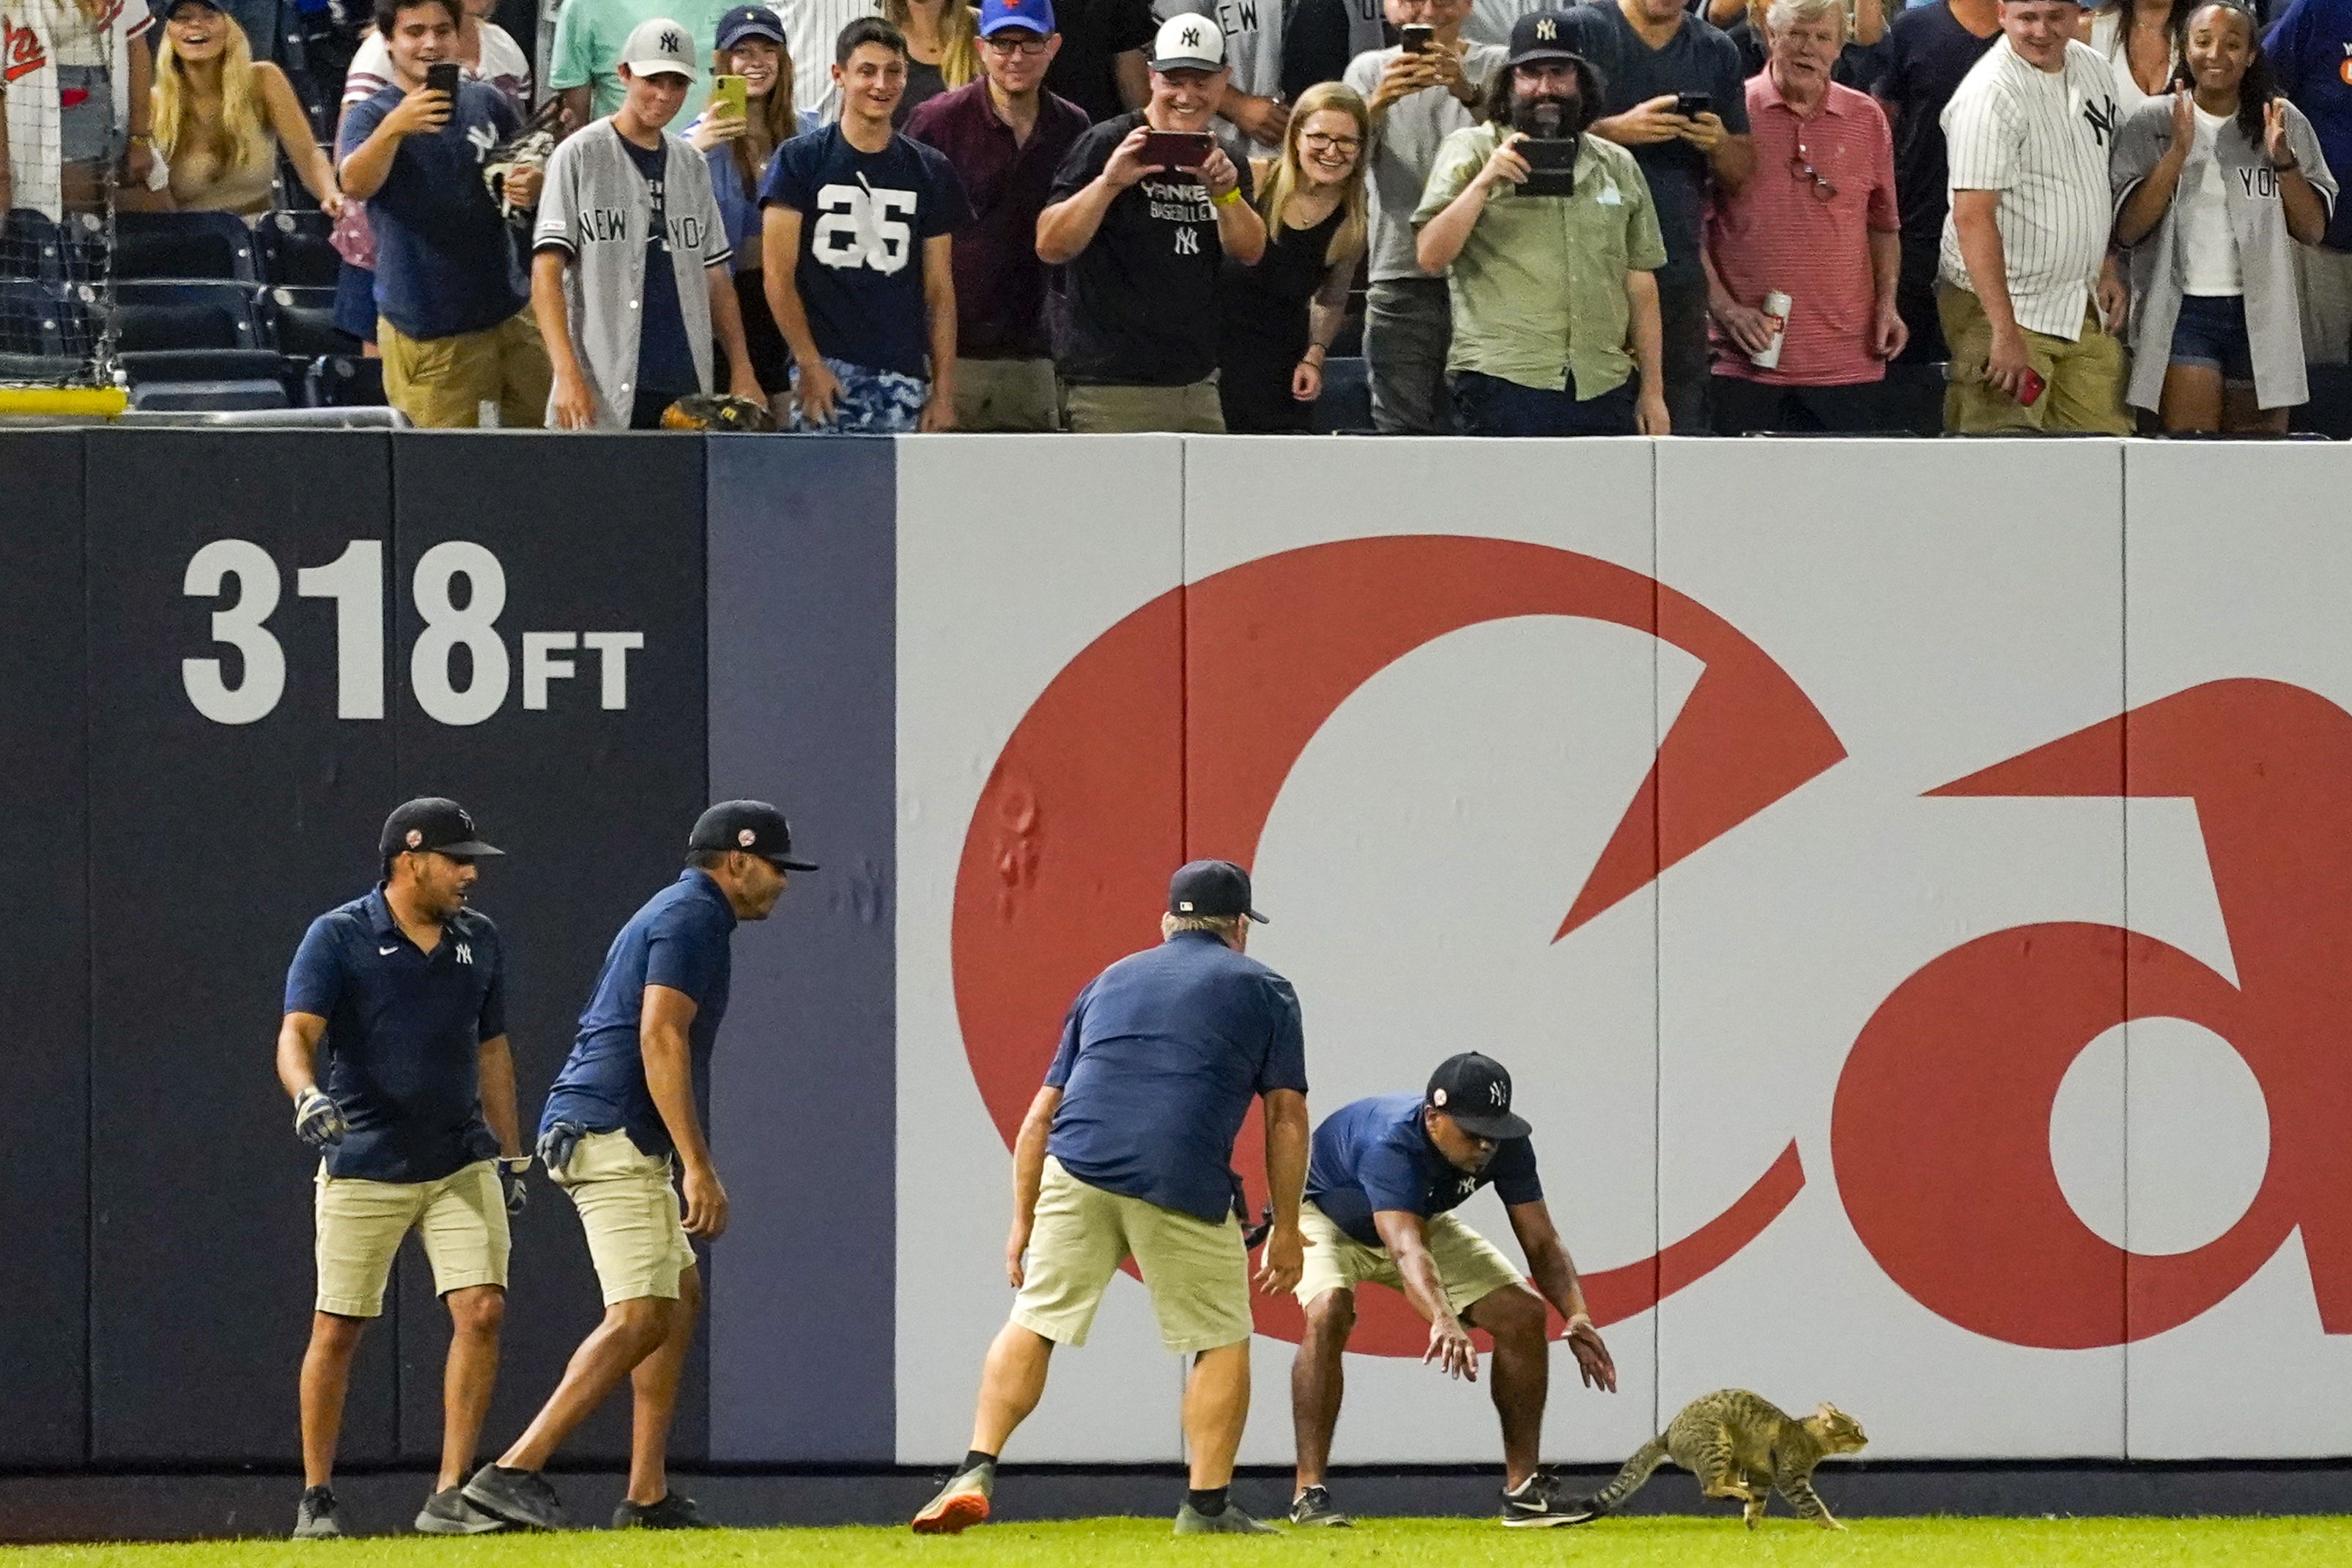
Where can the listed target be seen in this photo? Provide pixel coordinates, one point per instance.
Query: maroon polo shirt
(1000, 283)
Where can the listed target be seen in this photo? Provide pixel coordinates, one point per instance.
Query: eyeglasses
(1325, 143)
(1004, 46)
(1801, 167)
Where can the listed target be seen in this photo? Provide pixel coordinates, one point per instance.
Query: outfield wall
(1912, 919)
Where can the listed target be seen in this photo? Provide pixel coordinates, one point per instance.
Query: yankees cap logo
(415, 838)
(1192, 36)
(746, 837)
(1547, 30)
(670, 43)
(1499, 1094)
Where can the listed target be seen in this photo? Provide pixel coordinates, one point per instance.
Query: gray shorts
(86, 130)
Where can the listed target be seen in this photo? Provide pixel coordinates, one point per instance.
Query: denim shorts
(2211, 334)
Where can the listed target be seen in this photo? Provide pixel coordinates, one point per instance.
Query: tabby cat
(1739, 1445)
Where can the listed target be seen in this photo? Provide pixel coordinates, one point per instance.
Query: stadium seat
(31, 246)
(31, 318)
(300, 322)
(1347, 402)
(344, 381)
(187, 313)
(184, 245)
(252, 391)
(295, 251)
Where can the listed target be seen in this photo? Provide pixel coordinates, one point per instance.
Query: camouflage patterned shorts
(870, 403)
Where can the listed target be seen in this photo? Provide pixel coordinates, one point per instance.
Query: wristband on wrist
(1229, 198)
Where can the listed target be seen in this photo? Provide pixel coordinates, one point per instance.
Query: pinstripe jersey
(2041, 140)
(814, 26)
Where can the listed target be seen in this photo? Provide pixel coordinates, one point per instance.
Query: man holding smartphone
(1419, 94)
(453, 319)
(1141, 214)
(1677, 98)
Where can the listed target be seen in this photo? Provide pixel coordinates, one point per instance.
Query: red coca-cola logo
(1193, 709)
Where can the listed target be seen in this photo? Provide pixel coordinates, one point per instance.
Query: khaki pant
(461, 1219)
(2084, 389)
(1472, 1267)
(441, 383)
(1198, 1273)
(1006, 394)
(637, 1234)
(1093, 410)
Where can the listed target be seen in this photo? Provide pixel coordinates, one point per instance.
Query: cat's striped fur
(1739, 1445)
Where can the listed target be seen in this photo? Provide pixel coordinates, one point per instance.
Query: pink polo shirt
(1781, 233)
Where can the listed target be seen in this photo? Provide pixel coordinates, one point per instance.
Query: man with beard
(1555, 311)
(393, 1049)
(1381, 1176)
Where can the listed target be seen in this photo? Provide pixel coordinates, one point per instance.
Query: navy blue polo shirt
(401, 1052)
(1160, 1057)
(1375, 1154)
(680, 939)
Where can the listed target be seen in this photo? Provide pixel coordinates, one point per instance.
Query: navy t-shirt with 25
(1375, 1154)
(1160, 1057)
(401, 1056)
(679, 940)
(864, 219)
(444, 263)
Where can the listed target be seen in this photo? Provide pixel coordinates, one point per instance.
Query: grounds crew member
(619, 1119)
(1384, 1173)
(405, 991)
(1128, 1151)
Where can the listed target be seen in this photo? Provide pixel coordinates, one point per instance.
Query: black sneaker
(446, 1512)
(672, 1513)
(519, 1497)
(315, 1517)
(1313, 1506)
(1539, 1503)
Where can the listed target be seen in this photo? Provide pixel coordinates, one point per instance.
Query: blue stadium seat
(184, 245)
(300, 322)
(1347, 402)
(187, 313)
(344, 381)
(295, 249)
(31, 246)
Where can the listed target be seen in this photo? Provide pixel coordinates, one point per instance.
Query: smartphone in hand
(1178, 149)
(733, 93)
(2030, 390)
(1691, 105)
(1417, 38)
(1551, 165)
(442, 79)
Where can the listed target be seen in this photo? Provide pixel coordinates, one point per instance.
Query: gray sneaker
(316, 1518)
(1233, 1522)
(1313, 1506)
(446, 1512)
(961, 1504)
(519, 1497)
(672, 1513)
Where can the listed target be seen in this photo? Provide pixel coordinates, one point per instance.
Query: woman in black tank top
(1277, 319)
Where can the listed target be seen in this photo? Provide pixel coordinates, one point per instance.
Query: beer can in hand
(1776, 311)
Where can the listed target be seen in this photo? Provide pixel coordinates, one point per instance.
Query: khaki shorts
(637, 1237)
(1472, 1267)
(441, 383)
(1093, 410)
(462, 1219)
(1198, 1273)
(2085, 377)
(1006, 395)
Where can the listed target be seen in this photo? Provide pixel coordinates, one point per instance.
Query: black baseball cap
(1540, 35)
(1212, 887)
(749, 22)
(432, 823)
(752, 825)
(1476, 1093)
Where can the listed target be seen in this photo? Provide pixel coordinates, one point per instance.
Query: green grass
(1665, 1542)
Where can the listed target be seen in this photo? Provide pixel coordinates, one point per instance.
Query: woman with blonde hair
(1278, 317)
(942, 49)
(220, 117)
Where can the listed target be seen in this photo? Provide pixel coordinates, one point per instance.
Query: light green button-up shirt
(1538, 290)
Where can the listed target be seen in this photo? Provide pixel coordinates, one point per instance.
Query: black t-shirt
(1139, 305)
(665, 363)
(1698, 59)
(1318, 42)
(1925, 55)
(1093, 33)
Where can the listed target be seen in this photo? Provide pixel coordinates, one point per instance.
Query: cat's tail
(1647, 1458)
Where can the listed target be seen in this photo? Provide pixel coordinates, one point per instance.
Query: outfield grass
(1651, 1542)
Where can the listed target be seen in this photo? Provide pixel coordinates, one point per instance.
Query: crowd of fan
(1624, 217)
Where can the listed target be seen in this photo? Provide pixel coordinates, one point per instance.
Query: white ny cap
(659, 45)
(1189, 42)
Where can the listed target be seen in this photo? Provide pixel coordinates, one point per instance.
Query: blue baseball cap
(1037, 15)
(749, 22)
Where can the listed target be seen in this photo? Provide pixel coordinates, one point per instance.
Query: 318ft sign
(354, 581)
